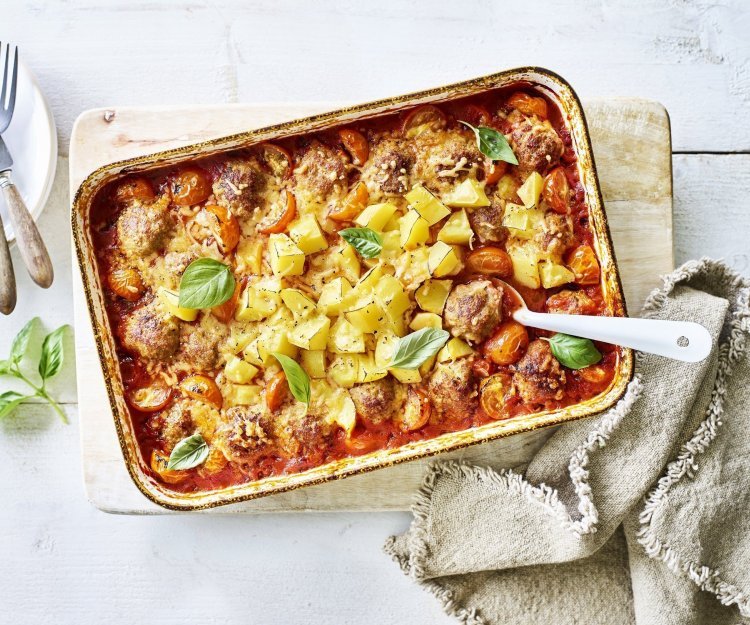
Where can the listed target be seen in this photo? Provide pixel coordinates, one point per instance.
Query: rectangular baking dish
(552, 85)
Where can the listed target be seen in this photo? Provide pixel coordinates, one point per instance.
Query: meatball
(539, 378)
(321, 172)
(472, 310)
(245, 431)
(486, 221)
(199, 344)
(556, 236)
(568, 302)
(377, 401)
(452, 390)
(144, 228)
(445, 158)
(299, 432)
(150, 333)
(174, 424)
(535, 143)
(389, 167)
(240, 186)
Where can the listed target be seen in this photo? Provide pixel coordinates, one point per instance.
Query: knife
(30, 245)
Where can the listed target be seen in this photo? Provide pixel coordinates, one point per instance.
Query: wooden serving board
(632, 147)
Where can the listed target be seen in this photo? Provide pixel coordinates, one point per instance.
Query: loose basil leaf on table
(52, 354)
(9, 400)
(296, 378)
(21, 342)
(206, 283)
(367, 242)
(493, 144)
(188, 453)
(574, 352)
(415, 348)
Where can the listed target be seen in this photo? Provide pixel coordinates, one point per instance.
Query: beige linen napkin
(640, 515)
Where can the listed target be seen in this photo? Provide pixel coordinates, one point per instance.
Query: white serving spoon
(681, 340)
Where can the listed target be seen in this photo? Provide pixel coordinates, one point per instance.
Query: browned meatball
(389, 167)
(240, 186)
(556, 236)
(144, 228)
(150, 333)
(535, 143)
(377, 401)
(299, 433)
(199, 345)
(174, 424)
(472, 310)
(452, 389)
(486, 221)
(321, 172)
(539, 378)
(246, 430)
(445, 158)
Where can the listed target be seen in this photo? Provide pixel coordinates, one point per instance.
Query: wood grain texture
(632, 149)
(7, 277)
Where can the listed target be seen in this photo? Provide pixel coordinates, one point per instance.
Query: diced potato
(365, 315)
(273, 338)
(427, 205)
(412, 267)
(553, 275)
(384, 348)
(457, 229)
(337, 405)
(443, 260)
(332, 295)
(344, 370)
(470, 193)
(286, 258)
(311, 334)
(432, 294)
(250, 253)
(393, 223)
(314, 362)
(391, 295)
(525, 260)
(306, 234)
(531, 190)
(255, 304)
(344, 413)
(506, 188)
(391, 245)
(299, 303)
(348, 263)
(171, 300)
(344, 338)
(239, 337)
(425, 368)
(239, 371)
(414, 230)
(426, 320)
(368, 371)
(406, 376)
(367, 282)
(245, 395)
(376, 216)
(453, 349)
(522, 222)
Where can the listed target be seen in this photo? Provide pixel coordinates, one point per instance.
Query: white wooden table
(62, 560)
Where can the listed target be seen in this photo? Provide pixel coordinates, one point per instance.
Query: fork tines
(6, 110)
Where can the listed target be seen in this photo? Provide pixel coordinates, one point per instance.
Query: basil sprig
(206, 283)
(367, 242)
(493, 144)
(415, 348)
(574, 352)
(188, 453)
(50, 363)
(296, 378)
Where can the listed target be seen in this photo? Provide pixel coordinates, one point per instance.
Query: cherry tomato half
(584, 264)
(159, 463)
(416, 411)
(126, 283)
(476, 114)
(151, 398)
(356, 144)
(287, 216)
(353, 205)
(490, 261)
(225, 312)
(135, 188)
(508, 344)
(596, 374)
(225, 227)
(279, 160)
(528, 105)
(423, 119)
(556, 191)
(202, 388)
(190, 186)
(494, 170)
(277, 390)
(568, 302)
(494, 394)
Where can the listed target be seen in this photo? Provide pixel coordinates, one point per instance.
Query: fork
(30, 244)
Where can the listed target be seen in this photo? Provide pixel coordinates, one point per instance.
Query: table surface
(64, 561)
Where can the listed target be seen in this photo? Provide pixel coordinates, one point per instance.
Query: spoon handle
(682, 340)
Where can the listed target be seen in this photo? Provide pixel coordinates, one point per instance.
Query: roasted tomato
(279, 160)
(528, 105)
(277, 390)
(364, 442)
(490, 261)
(135, 188)
(494, 170)
(596, 374)
(508, 343)
(286, 217)
(150, 398)
(482, 367)
(568, 302)
(202, 388)
(353, 205)
(159, 464)
(225, 312)
(225, 227)
(190, 186)
(476, 115)
(584, 264)
(356, 144)
(126, 283)
(416, 410)
(494, 393)
(556, 191)
(533, 298)
(423, 119)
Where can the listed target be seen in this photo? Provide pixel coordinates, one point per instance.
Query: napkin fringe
(686, 463)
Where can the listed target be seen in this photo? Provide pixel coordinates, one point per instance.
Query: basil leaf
(367, 242)
(52, 353)
(415, 348)
(574, 352)
(493, 144)
(206, 283)
(9, 400)
(4, 367)
(21, 342)
(296, 378)
(188, 453)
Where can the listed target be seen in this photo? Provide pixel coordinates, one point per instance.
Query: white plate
(32, 141)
